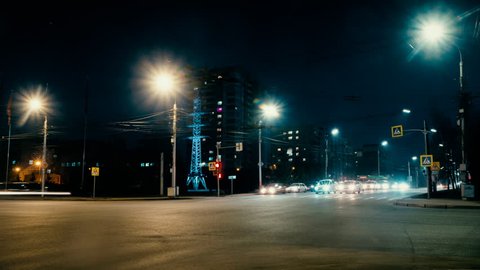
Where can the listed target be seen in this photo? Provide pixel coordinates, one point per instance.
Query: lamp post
(435, 32)
(44, 153)
(414, 158)
(37, 104)
(268, 111)
(384, 143)
(165, 82)
(334, 132)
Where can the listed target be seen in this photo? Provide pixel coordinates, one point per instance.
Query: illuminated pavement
(291, 231)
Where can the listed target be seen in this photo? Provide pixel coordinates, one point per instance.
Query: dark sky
(331, 63)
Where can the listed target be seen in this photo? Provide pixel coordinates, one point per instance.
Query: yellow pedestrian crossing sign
(397, 131)
(211, 166)
(95, 171)
(426, 160)
(436, 166)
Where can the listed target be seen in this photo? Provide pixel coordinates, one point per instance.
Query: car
(384, 184)
(325, 186)
(297, 187)
(370, 185)
(273, 188)
(400, 186)
(348, 186)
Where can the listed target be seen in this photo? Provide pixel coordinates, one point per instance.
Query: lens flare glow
(33, 102)
(270, 110)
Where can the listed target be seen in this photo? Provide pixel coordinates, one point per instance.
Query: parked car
(297, 187)
(325, 186)
(273, 188)
(348, 186)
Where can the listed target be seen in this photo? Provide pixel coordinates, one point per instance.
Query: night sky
(344, 64)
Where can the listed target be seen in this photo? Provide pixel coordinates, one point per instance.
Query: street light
(37, 103)
(334, 132)
(164, 82)
(434, 32)
(384, 144)
(268, 111)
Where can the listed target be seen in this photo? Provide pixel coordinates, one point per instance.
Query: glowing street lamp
(37, 103)
(164, 82)
(267, 111)
(334, 132)
(434, 32)
(384, 144)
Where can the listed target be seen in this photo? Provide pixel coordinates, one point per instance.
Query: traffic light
(218, 167)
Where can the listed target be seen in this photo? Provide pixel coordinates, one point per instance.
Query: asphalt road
(291, 231)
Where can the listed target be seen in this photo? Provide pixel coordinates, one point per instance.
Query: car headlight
(272, 190)
(263, 190)
(403, 186)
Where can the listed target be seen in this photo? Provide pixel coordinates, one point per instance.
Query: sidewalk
(443, 199)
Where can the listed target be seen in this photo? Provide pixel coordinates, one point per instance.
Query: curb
(441, 206)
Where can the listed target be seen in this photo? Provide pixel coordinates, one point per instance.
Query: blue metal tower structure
(195, 177)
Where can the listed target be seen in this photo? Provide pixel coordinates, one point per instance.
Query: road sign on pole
(238, 146)
(436, 166)
(397, 131)
(426, 160)
(211, 166)
(95, 171)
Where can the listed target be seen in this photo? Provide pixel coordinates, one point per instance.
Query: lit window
(304, 159)
(219, 109)
(210, 152)
(290, 137)
(142, 164)
(219, 129)
(279, 149)
(290, 132)
(210, 158)
(219, 123)
(219, 102)
(296, 148)
(219, 77)
(290, 159)
(296, 137)
(219, 116)
(290, 152)
(296, 154)
(296, 131)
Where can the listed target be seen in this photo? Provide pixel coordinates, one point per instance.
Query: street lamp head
(414, 158)
(433, 32)
(433, 130)
(163, 82)
(270, 111)
(384, 143)
(335, 132)
(406, 111)
(33, 103)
